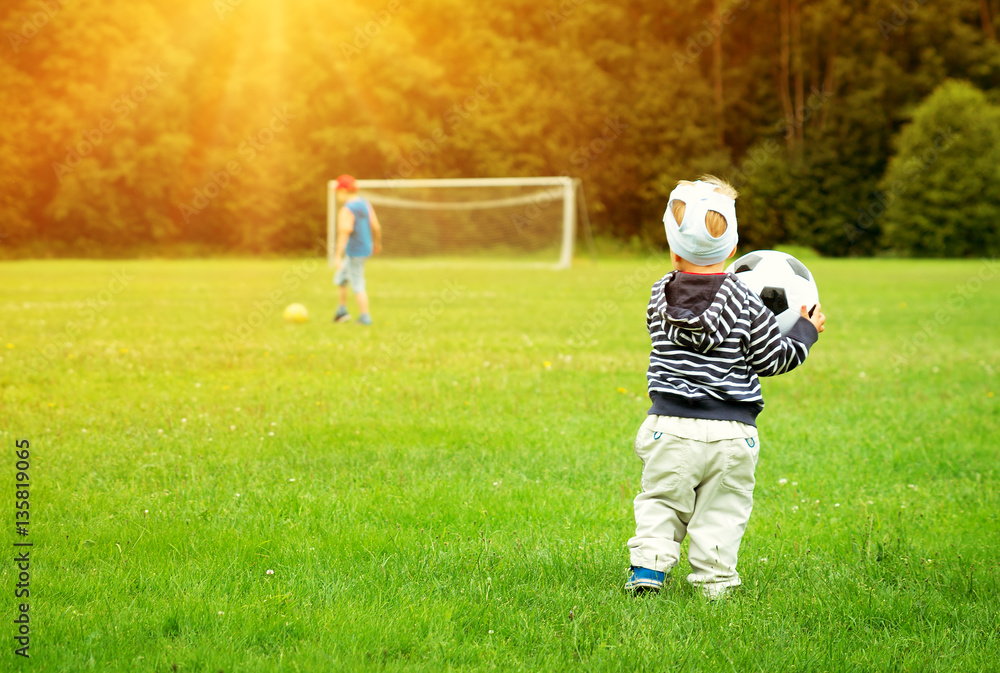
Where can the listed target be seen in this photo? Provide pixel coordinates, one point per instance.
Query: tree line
(855, 127)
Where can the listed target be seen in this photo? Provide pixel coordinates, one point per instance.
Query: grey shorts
(352, 271)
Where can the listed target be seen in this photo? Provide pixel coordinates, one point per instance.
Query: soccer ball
(782, 282)
(296, 313)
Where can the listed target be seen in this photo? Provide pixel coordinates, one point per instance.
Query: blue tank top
(360, 242)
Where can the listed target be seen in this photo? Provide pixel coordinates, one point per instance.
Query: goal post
(528, 218)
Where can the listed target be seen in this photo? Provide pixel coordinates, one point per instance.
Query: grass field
(451, 489)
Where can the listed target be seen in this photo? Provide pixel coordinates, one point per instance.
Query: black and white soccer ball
(782, 282)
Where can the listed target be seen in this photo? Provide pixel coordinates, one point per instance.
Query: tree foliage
(143, 126)
(942, 189)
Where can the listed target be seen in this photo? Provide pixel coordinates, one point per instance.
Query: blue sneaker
(341, 315)
(644, 579)
(365, 319)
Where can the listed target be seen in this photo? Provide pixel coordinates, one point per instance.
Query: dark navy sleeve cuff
(804, 332)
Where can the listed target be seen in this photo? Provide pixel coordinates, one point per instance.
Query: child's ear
(732, 253)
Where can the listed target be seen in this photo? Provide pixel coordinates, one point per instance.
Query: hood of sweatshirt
(700, 311)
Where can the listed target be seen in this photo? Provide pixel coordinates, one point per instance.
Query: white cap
(690, 239)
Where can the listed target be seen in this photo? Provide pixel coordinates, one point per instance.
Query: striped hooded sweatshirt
(712, 338)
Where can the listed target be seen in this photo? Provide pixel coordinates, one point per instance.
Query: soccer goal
(527, 219)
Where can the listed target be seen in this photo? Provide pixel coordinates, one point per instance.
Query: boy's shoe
(341, 315)
(365, 319)
(644, 579)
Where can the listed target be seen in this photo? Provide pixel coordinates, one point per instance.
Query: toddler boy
(711, 340)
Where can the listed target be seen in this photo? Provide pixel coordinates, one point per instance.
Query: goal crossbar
(378, 199)
(466, 182)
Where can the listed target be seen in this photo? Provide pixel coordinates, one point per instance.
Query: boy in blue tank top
(358, 236)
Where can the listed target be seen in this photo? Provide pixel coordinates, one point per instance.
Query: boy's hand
(378, 247)
(817, 318)
(338, 262)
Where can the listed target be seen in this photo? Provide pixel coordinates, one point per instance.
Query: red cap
(347, 182)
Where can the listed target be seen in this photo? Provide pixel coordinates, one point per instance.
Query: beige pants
(697, 479)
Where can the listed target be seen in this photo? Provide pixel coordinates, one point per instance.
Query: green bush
(942, 188)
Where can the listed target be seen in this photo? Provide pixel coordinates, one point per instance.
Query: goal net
(517, 218)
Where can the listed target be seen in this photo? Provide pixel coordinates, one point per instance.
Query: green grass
(452, 488)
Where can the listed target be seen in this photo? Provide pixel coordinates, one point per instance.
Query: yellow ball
(296, 313)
